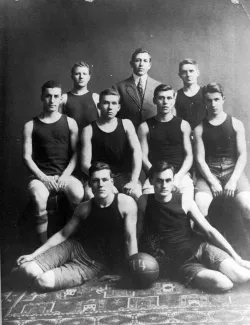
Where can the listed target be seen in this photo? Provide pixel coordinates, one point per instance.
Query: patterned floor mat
(97, 303)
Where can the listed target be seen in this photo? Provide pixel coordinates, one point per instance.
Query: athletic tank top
(81, 108)
(166, 141)
(171, 223)
(102, 234)
(191, 109)
(219, 140)
(51, 149)
(112, 148)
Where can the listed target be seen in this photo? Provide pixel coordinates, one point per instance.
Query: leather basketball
(143, 269)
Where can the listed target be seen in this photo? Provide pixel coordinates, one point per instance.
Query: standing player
(167, 137)
(210, 264)
(136, 92)
(101, 233)
(49, 152)
(189, 102)
(80, 103)
(220, 154)
(114, 141)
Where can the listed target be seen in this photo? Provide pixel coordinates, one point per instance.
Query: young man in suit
(137, 91)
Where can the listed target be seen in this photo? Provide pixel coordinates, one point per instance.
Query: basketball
(143, 269)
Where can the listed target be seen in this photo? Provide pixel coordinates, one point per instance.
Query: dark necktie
(140, 88)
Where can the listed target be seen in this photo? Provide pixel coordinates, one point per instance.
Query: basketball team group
(140, 165)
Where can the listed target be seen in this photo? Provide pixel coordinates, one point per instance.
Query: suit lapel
(149, 90)
(132, 91)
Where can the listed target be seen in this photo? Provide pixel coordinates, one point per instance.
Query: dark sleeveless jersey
(171, 223)
(112, 148)
(166, 141)
(219, 140)
(51, 149)
(102, 234)
(191, 109)
(82, 108)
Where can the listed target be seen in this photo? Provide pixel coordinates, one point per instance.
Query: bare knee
(45, 281)
(203, 202)
(30, 269)
(74, 192)
(216, 282)
(40, 199)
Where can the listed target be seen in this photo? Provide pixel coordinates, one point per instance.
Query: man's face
(101, 183)
(141, 64)
(189, 74)
(109, 106)
(214, 103)
(164, 101)
(163, 183)
(51, 99)
(80, 76)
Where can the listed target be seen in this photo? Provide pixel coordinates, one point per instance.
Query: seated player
(115, 142)
(137, 91)
(220, 154)
(189, 101)
(49, 152)
(210, 264)
(167, 137)
(101, 234)
(79, 103)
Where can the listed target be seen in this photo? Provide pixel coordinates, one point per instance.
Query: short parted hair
(162, 87)
(51, 84)
(109, 91)
(187, 61)
(81, 64)
(99, 165)
(213, 87)
(158, 167)
(138, 51)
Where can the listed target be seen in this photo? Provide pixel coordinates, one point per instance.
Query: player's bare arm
(86, 149)
(143, 135)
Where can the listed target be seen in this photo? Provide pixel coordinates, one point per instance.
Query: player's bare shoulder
(83, 210)
(126, 204)
(28, 127)
(238, 125)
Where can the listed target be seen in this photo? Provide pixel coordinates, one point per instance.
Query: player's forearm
(146, 164)
(131, 243)
(239, 167)
(218, 240)
(187, 164)
(57, 239)
(71, 166)
(136, 166)
(205, 171)
(33, 168)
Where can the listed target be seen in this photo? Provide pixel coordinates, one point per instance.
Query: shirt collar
(143, 78)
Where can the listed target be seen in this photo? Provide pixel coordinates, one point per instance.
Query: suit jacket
(131, 105)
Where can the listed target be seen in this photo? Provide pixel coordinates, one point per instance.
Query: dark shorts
(222, 169)
(207, 256)
(70, 264)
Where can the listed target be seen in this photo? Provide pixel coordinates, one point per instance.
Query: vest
(51, 149)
